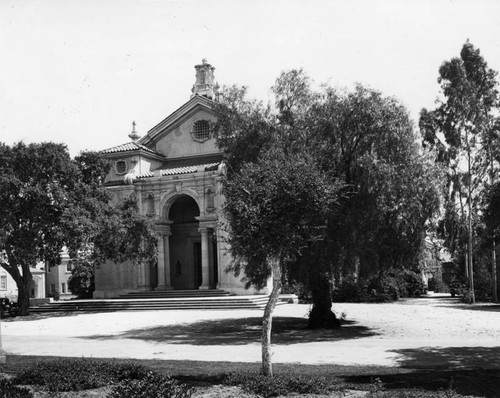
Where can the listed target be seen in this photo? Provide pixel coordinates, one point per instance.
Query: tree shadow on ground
(241, 331)
(487, 307)
(469, 382)
(450, 357)
(467, 370)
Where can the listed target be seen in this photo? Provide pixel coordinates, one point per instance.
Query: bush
(277, 385)
(350, 291)
(410, 284)
(151, 386)
(9, 390)
(389, 286)
(78, 374)
(82, 280)
(409, 393)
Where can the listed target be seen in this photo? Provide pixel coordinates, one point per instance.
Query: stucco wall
(178, 142)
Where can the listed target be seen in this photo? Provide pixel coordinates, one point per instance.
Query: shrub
(278, 385)
(9, 390)
(411, 393)
(78, 374)
(82, 280)
(410, 284)
(151, 386)
(350, 291)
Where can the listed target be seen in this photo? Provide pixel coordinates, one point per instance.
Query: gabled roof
(196, 101)
(128, 147)
(186, 166)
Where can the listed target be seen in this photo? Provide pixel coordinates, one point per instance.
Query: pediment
(178, 134)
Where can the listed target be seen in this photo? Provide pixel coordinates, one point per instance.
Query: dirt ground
(435, 331)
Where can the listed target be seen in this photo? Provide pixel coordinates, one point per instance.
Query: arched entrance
(185, 244)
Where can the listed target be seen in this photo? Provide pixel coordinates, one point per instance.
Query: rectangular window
(3, 282)
(68, 266)
(63, 287)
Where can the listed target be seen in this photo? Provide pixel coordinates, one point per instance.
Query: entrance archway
(185, 244)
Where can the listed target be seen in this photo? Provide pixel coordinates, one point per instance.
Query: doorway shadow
(242, 331)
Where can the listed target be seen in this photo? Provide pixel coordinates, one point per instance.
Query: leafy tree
(82, 280)
(50, 202)
(275, 207)
(461, 130)
(363, 141)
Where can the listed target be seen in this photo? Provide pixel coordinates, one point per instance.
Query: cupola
(205, 84)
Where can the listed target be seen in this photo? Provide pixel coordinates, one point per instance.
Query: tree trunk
(267, 320)
(321, 315)
(23, 295)
(23, 283)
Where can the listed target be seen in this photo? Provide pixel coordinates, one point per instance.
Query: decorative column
(205, 263)
(163, 232)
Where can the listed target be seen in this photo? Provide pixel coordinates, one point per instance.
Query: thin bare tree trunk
(267, 320)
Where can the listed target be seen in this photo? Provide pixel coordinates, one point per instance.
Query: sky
(80, 71)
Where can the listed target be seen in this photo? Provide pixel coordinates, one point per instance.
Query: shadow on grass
(242, 331)
(487, 307)
(475, 382)
(450, 357)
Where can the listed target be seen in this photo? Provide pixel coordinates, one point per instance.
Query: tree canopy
(329, 180)
(463, 131)
(51, 202)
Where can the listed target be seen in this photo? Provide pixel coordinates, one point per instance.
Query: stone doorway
(185, 260)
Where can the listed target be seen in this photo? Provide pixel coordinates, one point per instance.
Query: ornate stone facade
(175, 173)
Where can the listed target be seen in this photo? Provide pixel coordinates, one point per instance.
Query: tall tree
(366, 143)
(275, 207)
(50, 202)
(459, 130)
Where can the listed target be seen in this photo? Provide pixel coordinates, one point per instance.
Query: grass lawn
(472, 382)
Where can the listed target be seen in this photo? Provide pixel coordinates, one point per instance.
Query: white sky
(79, 71)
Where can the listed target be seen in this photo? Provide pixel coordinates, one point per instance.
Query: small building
(8, 287)
(57, 279)
(174, 171)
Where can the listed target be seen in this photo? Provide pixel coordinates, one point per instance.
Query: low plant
(152, 385)
(377, 390)
(278, 385)
(411, 393)
(9, 390)
(78, 374)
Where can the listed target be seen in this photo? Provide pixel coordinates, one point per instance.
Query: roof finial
(133, 135)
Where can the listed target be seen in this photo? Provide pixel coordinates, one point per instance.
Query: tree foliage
(463, 124)
(51, 202)
(464, 133)
(358, 146)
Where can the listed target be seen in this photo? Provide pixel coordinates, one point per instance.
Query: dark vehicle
(8, 308)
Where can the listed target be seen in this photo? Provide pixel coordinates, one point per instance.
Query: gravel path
(435, 331)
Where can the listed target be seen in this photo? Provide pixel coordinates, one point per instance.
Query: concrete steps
(161, 294)
(217, 301)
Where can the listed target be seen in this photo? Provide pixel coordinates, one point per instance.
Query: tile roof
(186, 166)
(129, 146)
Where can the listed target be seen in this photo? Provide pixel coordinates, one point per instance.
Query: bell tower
(205, 85)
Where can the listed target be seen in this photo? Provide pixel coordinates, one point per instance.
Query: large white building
(174, 172)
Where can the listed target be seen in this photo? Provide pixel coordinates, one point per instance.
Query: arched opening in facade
(192, 249)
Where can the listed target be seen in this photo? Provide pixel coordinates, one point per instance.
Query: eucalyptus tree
(460, 131)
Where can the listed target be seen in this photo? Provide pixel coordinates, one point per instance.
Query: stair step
(220, 301)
